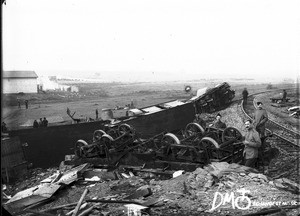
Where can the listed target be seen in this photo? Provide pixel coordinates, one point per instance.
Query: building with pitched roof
(19, 81)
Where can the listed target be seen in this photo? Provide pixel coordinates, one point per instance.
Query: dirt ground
(92, 96)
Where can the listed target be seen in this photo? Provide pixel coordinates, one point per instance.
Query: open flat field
(92, 96)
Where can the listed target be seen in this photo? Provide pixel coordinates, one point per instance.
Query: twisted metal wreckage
(165, 135)
(194, 146)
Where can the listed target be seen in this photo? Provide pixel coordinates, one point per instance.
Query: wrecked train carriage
(212, 99)
(194, 146)
(173, 115)
(148, 121)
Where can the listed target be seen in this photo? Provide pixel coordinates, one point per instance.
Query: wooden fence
(13, 163)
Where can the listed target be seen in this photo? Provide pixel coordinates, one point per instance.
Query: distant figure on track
(97, 114)
(245, 95)
(35, 124)
(26, 104)
(252, 143)
(260, 119)
(19, 104)
(284, 94)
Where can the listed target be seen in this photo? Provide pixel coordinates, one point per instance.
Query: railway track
(283, 137)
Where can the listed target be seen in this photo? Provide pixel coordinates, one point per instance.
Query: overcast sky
(153, 39)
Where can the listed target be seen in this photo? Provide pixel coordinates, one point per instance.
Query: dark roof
(19, 74)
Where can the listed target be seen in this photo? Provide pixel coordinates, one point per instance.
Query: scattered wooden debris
(80, 202)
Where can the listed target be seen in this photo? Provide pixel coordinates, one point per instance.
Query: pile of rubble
(217, 189)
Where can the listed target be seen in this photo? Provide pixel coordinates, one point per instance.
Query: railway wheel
(107, 141)
(167, 141)
(98, 134)
(211, 147)
(193, 129)
(231, 133)
(126, 129)
(79, 148)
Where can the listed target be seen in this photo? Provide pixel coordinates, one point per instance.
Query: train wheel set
(194, 144)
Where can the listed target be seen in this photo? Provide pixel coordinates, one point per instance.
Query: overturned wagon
(193, 145)
(148, 121)
(173, 115)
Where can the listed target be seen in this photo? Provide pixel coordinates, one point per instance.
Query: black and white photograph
(150, 107)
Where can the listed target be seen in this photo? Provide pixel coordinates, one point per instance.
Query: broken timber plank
(87, 211)
(80, 202)
(59, 207)
(113, 201)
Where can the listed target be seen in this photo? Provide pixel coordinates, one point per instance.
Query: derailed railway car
(148, 121)
(151, 132)
(212, 99)
(194, 145)
(171, 116)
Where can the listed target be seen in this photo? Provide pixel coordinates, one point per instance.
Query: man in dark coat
(284, 96)
(26, 104)
(97, 114)
(260, 119)
(45, 122)
(41, 123)
(35, 124)
(218, 122)
(252, 143)
(245, 95)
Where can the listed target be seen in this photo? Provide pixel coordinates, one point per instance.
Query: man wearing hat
(260, 119)
(218, 123)
(252, 144)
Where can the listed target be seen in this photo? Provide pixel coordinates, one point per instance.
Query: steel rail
(262, 92)
(295, 134)
(282, 138)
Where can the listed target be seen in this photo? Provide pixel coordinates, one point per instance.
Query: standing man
(45, 122)
(35, 124)
(252, 142)
(260, 119)
(19, 104)
(97, 114)
(245, 95)
(26, 104)
(41, 123)
(284, 96)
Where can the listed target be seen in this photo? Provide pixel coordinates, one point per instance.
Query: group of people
(41, 123)
(26, 104)
(254, 136)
